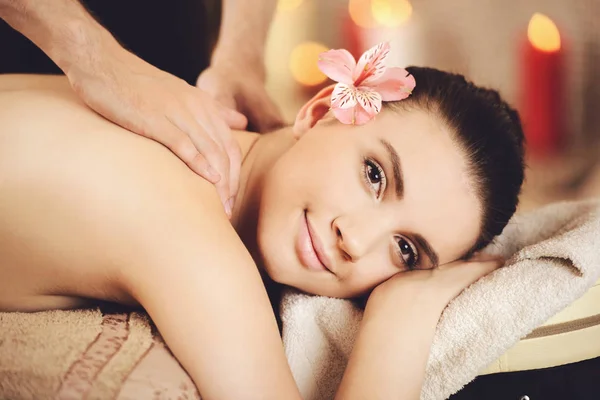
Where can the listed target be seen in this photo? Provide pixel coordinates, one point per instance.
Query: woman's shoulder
(122, 198)
(46, 127)
(13, 82)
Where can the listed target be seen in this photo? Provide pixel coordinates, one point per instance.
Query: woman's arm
(392, 348)
(389, 357)
(103, 213)
(202, 289)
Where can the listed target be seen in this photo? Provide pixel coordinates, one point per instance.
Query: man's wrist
(81, 44)
(250, 59)
(64, 30)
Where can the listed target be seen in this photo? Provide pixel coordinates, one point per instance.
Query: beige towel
(87, 354)
(553, 258)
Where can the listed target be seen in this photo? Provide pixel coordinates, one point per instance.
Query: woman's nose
(357, 235)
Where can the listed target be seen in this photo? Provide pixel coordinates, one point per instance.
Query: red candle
(358, 18)
(352, 36)
(542, 85)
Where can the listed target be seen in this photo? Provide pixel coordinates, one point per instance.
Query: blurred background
(542, 55)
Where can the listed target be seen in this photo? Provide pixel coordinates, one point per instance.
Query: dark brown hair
(489, 132)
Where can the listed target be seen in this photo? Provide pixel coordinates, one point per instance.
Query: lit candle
(352, 36)
(542, 87)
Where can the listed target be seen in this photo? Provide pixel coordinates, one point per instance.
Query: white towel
(553, 258)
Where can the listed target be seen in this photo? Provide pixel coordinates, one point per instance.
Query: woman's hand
(242, 91)
(392, 347)
(134, 94)
(441, 285)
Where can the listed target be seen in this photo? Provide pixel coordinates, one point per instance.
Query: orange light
(543, 33)
(303, 63)
(361, 14)
(288, 5)
(391, 13)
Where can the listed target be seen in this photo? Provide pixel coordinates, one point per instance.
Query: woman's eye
(407, 252)
(374, 177)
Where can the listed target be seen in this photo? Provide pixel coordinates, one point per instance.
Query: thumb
(264, 115)
(233, 118)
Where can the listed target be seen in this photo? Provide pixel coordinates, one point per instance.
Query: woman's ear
(312, 111)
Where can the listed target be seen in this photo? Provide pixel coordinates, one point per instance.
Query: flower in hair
(363, 85)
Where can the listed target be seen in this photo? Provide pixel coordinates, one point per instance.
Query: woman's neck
(259, 153)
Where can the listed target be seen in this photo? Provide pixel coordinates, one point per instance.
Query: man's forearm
(63, 29)
(244, 30)
(392, 348)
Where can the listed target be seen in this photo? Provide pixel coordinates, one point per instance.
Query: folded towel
(553, 258)
(91, 354)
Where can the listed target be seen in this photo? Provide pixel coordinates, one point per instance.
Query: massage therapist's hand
(239, 86)
(439, 286)
(150, 102)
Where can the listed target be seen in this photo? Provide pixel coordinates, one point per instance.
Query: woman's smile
(309, 248)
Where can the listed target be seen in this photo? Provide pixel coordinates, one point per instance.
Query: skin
(193, 122)
(248, 23)
(362, 224)
(92, 211)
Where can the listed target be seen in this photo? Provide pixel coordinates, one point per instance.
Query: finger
(209, 146)
(485, 257)
(470, 272)
(488, 266)
(224, 136)
(233, 118)
(235, 164)
(264, 115)
(456, 277)
(219, 133)
(183, 147)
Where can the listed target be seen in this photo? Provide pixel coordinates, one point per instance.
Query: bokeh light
(361, 14)
(543, 33)
(391, 13)
(288, 5)
(303, 63)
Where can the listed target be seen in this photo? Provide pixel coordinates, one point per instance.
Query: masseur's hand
(441, 285)
(240, 86)
(150, 102)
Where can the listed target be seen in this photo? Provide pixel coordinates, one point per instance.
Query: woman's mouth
(309, 248)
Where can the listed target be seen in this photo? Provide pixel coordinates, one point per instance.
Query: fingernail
(229, 206)
(215, 176)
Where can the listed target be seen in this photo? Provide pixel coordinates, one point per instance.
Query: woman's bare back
(69, 182)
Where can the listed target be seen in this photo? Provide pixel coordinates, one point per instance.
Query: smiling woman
(430, 180)
(92, 211)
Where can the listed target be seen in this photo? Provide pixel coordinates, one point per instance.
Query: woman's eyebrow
(399, 189)
(424, 244)
(396, 168)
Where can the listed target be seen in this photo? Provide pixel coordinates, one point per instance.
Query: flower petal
(352, 116)
(369, 100)
(361, 116)
(344, 115)
(337, 65)
(371, 65)
(343, 96)
(395, 84)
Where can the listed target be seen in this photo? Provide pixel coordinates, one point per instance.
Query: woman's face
(347, 207)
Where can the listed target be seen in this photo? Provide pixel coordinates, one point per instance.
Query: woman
(92, 211)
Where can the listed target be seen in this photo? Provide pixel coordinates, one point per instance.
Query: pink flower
(362, 86)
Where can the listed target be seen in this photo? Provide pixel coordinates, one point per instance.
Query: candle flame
(543, 33)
